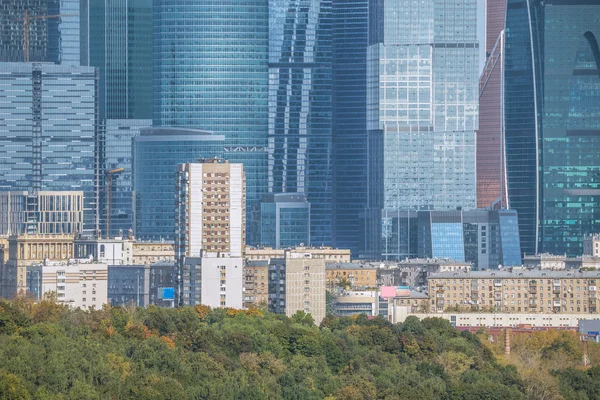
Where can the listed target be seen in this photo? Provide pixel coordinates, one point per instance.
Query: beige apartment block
(516, 291)
(305, 286)
(353, 276)
(256, 283)
(326, 253)
(147, 253)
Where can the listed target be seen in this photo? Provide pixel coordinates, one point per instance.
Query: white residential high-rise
(210, 233)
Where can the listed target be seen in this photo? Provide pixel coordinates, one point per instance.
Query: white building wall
(78, 286)
(212, 287)
(498, 319)
(195, 210)
(110, 252)
(237, 209)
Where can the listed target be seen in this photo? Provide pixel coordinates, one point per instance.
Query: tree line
(48, 351)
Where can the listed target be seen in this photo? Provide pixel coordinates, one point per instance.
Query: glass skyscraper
(48, 123)
(211, 72)
(53, 40)
(491, 184)
(157, 152)
(552, 122)
(422, 102)
(117, 38)
(118, 137)
(349, 129)
(300, 106)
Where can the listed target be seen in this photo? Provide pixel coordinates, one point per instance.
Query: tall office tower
(116, 200)
(53, 39)
(211, 72)
(156, 154)
(210, 229)
(349, 129)
(300, 106)
(491, 184)
(422, 74)
(117, 38)
(48, 124)
(552, 118)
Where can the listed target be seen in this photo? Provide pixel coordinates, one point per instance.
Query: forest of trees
(50, 352)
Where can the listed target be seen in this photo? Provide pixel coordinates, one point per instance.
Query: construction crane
(109, 181)
(26, 28)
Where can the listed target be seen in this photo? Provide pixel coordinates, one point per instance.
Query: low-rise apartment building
(350, 275)
(78, 284)
(256, 283)
(516, 291)
(297, 283)
(501, 320)
(329, 254)
(354, 302)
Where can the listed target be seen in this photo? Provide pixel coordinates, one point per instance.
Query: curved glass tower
(300, 106)
(552, 122)
(210, 72)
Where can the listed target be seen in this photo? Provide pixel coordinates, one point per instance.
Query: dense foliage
(50, 352)
(550, 364)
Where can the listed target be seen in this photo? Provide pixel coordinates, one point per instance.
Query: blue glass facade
(118, 35)
(300, 106)
(422, 109)
(349, 130)
(509, 238)
(486, 238)
(211, 72)
(447, 241)
(118, 154)
(128, 284)
(48, 124)
(552, 120)
(285, 220)
(55, 40)
(520, 123)
(157, 152)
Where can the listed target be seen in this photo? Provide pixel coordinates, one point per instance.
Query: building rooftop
(257, 263)
(348, 265)
(163, 264)
(517, 273)
(439, 261)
